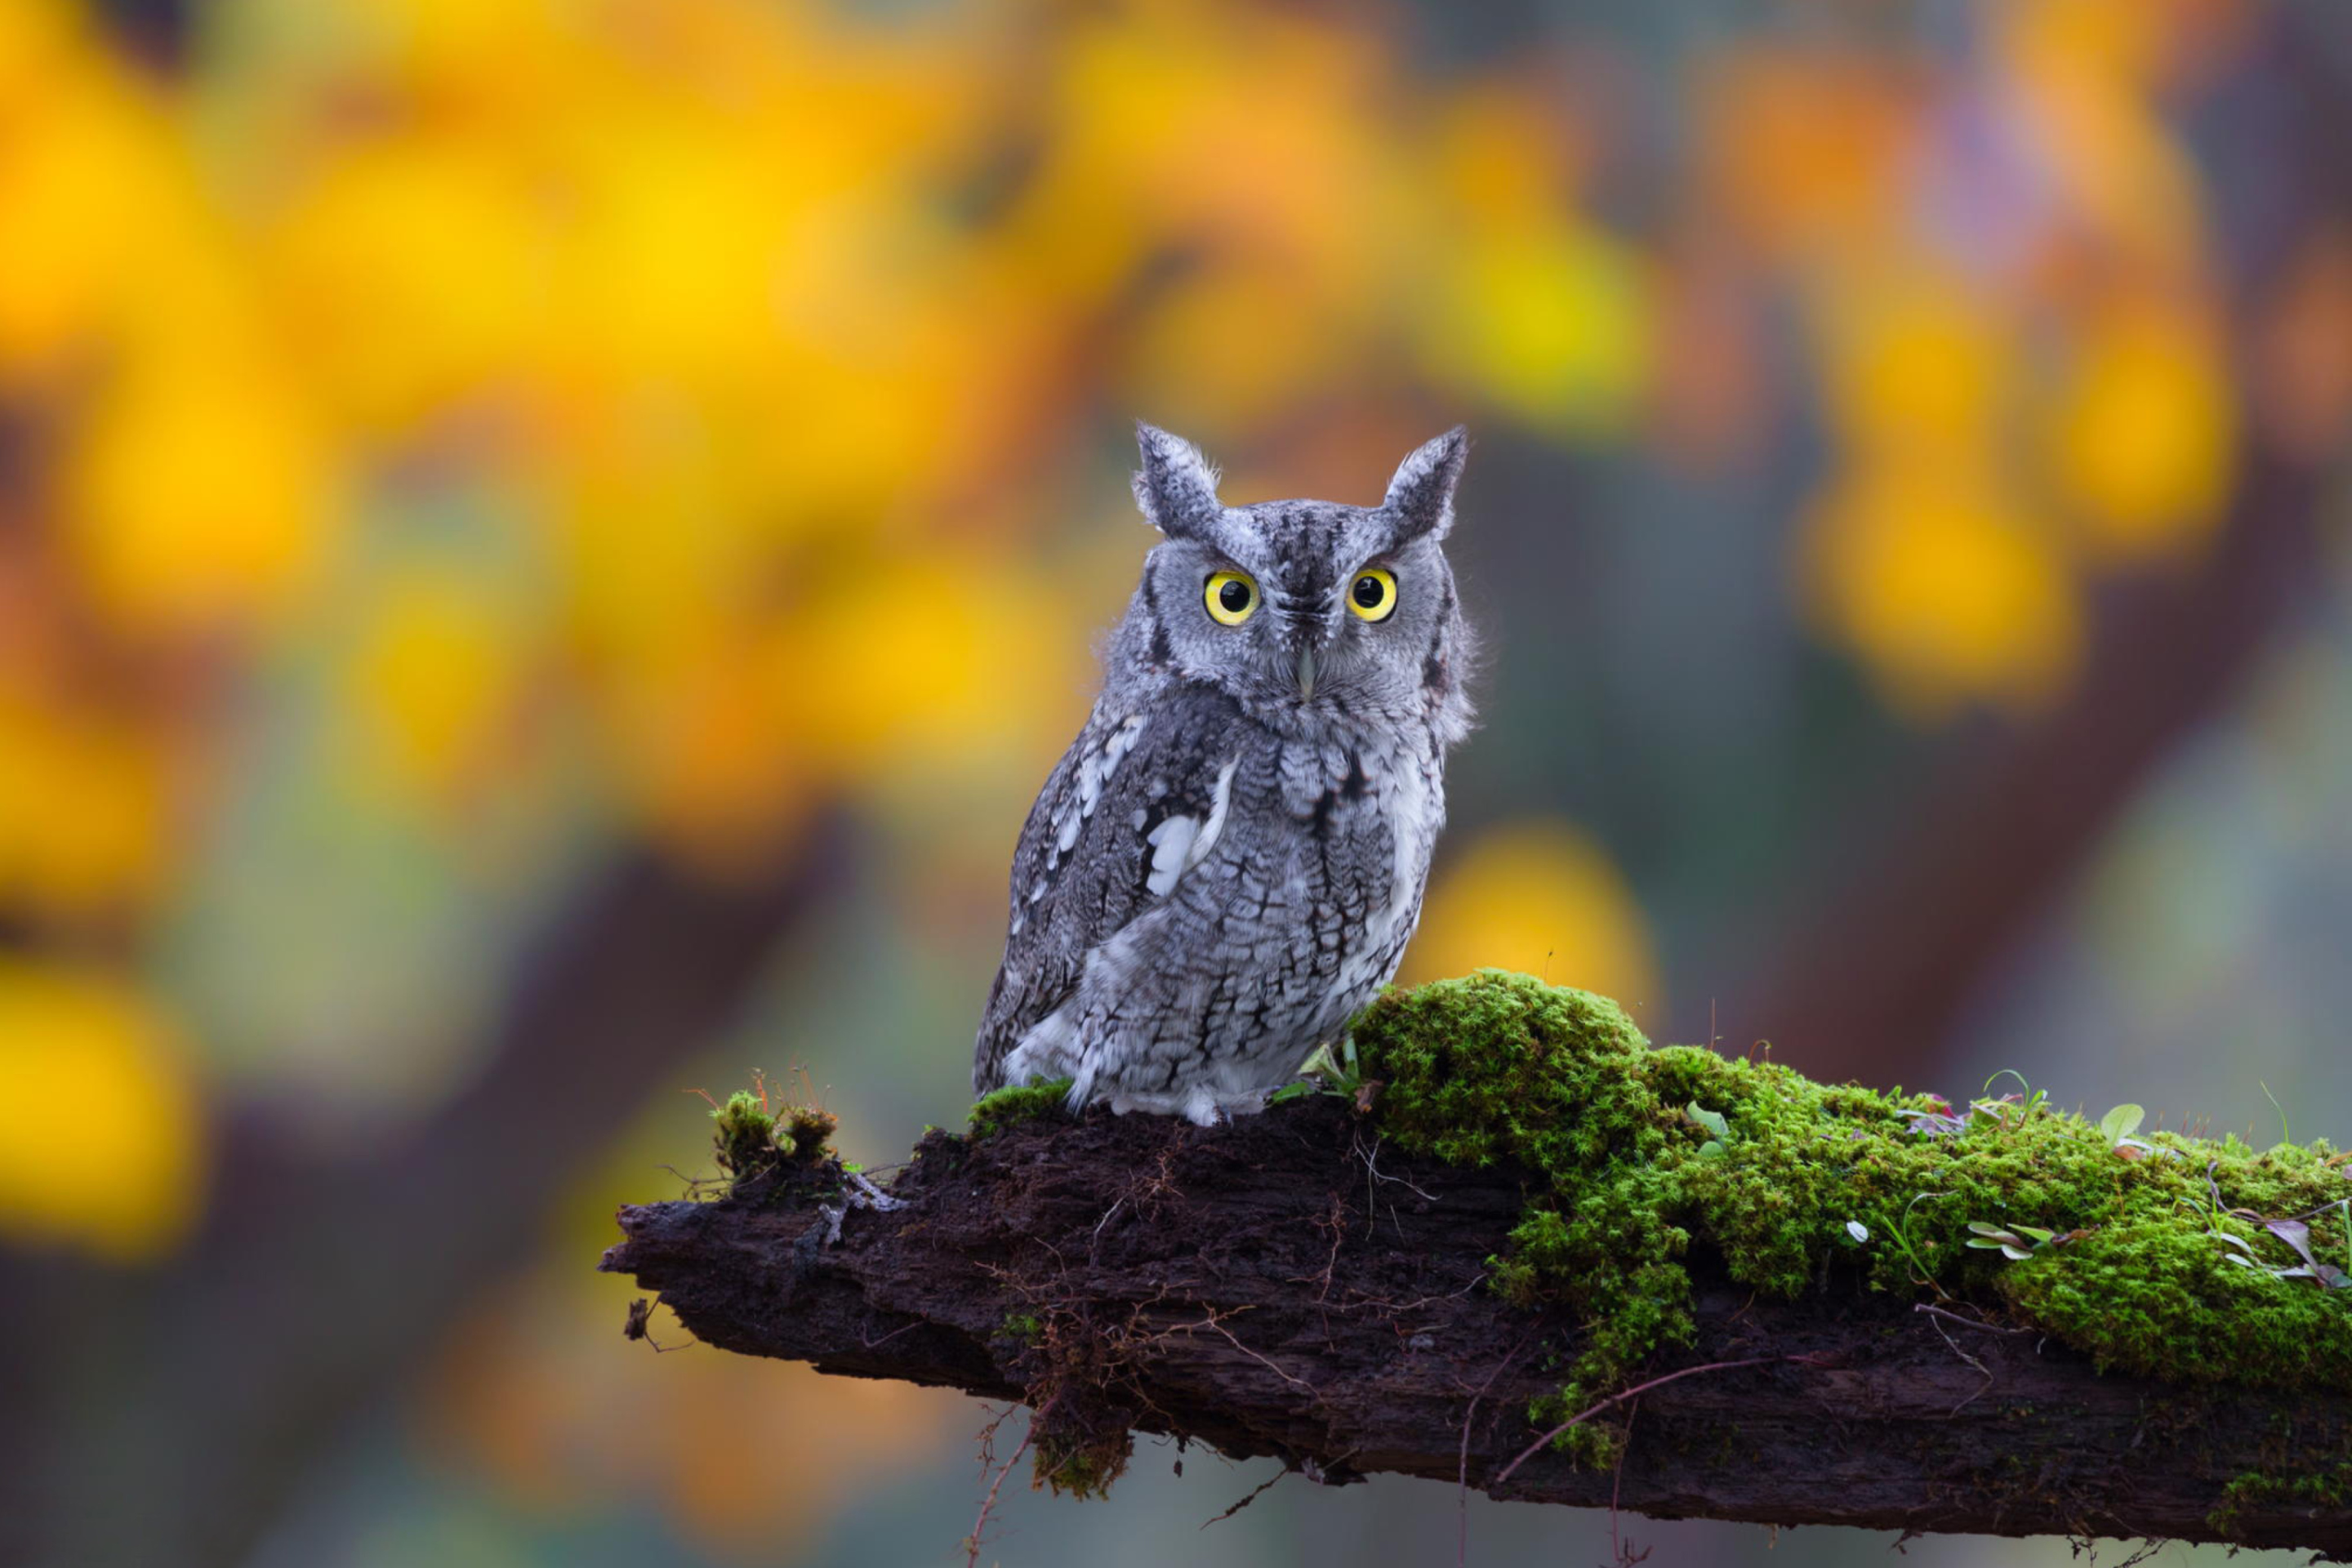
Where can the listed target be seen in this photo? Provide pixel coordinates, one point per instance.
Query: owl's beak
(1306, 672)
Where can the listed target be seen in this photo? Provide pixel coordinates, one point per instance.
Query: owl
(1227, 862)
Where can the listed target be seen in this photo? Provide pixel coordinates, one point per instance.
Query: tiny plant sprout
(2015, 1242)
(2120, 1123)
(1718, 1130)
(1324, 1071)
(1856, 1229)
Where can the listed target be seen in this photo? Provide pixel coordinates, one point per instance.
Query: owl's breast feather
(1370, 811)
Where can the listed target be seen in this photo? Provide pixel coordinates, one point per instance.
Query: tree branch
(175, 1434)
(1284, 1287)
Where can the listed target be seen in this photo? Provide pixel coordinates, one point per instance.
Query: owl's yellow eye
(1231, 597)
(1372, 594)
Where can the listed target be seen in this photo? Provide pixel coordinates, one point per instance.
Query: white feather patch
(1181, 843)
(1094, 771)
(1172, 847)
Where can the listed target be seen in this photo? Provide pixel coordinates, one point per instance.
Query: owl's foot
(1205, 1108)
(1201, 1106)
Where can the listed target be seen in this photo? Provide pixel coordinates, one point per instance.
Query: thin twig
(1214, 1320)
(876, 1344)
(1462, 1482)
(1617, 1484)
(1254, 1496)
(1933, 1311)
(1370, 1157)
(1982, 1370)
(972, 1542)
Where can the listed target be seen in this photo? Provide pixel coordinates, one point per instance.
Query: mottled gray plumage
(1228, 861)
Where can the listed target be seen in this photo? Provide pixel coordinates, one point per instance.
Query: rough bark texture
(1289, 1286)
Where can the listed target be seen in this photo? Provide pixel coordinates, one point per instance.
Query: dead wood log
(1289, 1286)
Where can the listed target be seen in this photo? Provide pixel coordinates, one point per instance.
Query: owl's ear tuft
(1422, 494)
(1176, 486)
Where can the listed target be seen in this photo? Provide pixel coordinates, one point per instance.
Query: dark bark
(1290, 1287)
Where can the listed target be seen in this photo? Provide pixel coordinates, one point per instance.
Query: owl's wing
(1134, 804)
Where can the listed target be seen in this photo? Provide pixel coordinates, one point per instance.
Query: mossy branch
(1832, 1306)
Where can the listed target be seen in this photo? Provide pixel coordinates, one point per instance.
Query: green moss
(1649, 1153)
(1081, 1470)
(750, 1140)
(1003, 1108)
(744, 1134)
(805, 1131)
(2330, 1488)
(1022, 1327)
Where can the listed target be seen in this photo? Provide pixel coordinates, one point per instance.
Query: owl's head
(1305, 607)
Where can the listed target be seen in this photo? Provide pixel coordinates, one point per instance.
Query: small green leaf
(2121, 1122)
(1980, 1228)
(1711, 1119)
(2017, 1253)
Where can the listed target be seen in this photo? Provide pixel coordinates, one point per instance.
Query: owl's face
(1302, 605)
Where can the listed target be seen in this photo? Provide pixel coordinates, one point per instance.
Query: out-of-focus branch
(169, 1423)
(1886, 964)
(1882, 966)
(1284, 1286)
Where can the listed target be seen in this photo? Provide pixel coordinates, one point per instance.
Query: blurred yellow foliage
(436, 673)
(1532, 307)
(1947, 587)
(88, 172)
(410, 277)
(726, 289)
(2144, 439)
(85, 807)
(197, 498)
(900, 668)
(1241, 130)
(1539, 897)
(1547, 319)
(1918, 364)
(2018, 392)
(101, 1130)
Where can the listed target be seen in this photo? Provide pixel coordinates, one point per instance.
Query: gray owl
(1228, 861)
